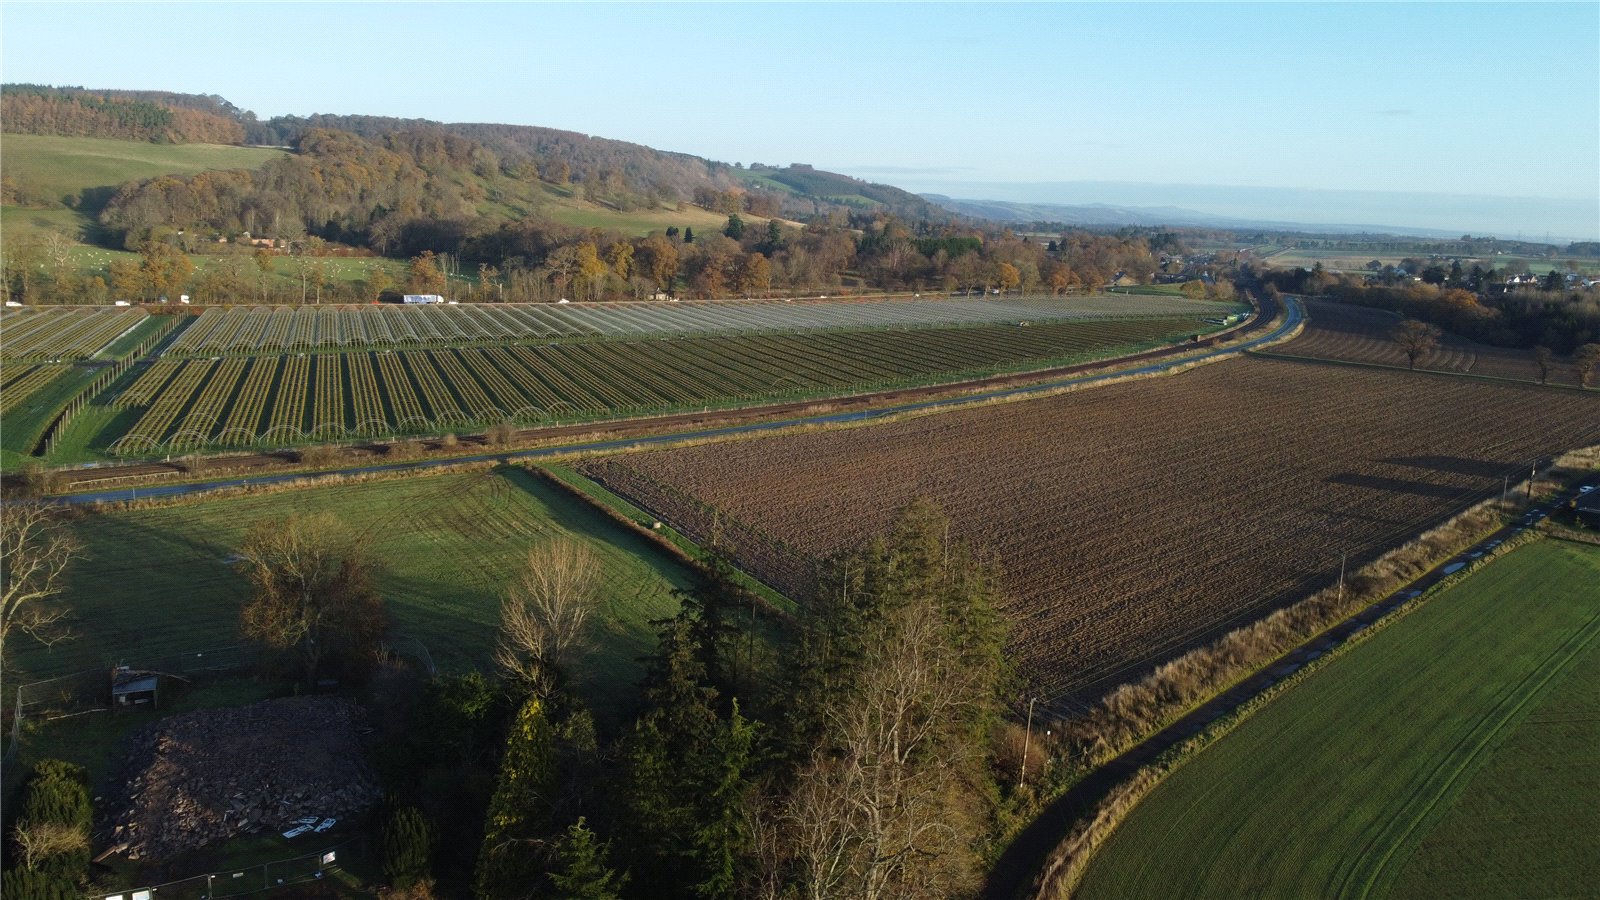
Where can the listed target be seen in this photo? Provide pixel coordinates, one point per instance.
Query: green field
(1451, 755)
(58, 168)
(157, 582)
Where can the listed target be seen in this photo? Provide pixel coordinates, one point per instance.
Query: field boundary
(1068, 864)
(675, 542)
(1095, 802)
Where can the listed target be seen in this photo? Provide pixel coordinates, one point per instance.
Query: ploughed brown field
(1132, 520)
(1360, 334)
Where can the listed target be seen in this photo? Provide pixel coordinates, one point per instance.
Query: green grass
(60, 167)
(22, 425)
(1401, 760)
(157, 582)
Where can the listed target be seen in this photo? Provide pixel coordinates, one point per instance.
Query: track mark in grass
(1432, 797)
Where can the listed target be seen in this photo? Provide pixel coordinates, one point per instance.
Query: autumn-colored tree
(165, 268)
(1008, 276)
(424, 275)
(755, 274)
(620, 257)
(660, 261)
(127, 280)
(378, 281)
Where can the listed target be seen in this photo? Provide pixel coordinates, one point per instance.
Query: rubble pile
(198, 778)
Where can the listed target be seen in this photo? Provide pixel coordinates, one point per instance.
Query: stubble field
(1135, 520)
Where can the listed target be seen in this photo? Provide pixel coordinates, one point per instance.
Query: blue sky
(1476, 100)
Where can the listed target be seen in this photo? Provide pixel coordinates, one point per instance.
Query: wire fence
(89, 690)
(250, 879)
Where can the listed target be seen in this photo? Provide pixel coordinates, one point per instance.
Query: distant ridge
(1108, 215)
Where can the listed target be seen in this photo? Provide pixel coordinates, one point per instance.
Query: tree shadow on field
(1397, 486)
(1455, 465)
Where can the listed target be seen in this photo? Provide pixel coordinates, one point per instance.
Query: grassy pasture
(157, 582)
(1450, 755)
(62, 167)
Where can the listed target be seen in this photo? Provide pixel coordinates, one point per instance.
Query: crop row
(236, 401)
(63, 334)
(1134, 520)
(285, 329)
(22, 381)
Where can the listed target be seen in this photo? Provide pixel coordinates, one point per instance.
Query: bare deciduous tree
(1543, 357)
(37, 550)
(39, 841)
(883, 819)
(543, 618)
(1586, 358)
(1416, 339)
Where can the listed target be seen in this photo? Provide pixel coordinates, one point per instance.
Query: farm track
(405, 403)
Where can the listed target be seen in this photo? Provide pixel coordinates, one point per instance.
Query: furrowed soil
(1135, 520)
(1359, 334)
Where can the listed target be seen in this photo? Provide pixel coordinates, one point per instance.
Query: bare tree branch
(37, 550)
(546, 610)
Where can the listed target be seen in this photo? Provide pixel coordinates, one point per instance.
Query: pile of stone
(198, 778)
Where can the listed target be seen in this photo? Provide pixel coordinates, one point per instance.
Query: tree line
(1470, 302)
(72, 112)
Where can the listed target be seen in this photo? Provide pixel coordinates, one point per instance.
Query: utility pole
(1532, 472)
(1027, 738)
(1505, 487)
(1343, 557)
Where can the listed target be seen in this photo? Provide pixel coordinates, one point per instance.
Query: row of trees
(1561, 319)
(537, 261)
(73, 112)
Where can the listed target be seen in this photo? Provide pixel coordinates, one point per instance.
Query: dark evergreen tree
(518, 820)
(407, 846)
(581, 870)
(688, 235)
(734, 228)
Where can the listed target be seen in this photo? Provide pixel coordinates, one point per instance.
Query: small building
(130, 689)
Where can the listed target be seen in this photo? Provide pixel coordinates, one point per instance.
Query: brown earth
(1134, 520)
(1361, 334)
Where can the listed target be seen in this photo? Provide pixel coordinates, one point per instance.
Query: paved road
(1295, 314)
(1013, 874)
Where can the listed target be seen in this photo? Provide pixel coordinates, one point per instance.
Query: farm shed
(131, 689)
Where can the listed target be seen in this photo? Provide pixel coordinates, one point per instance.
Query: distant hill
(1090, 215)
(582, 177)
(821, 189)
